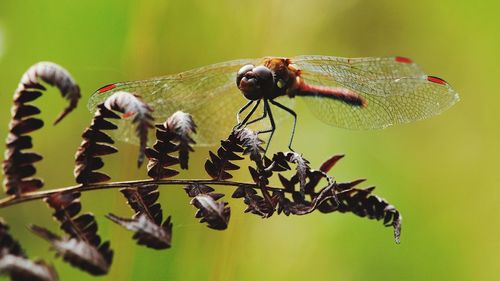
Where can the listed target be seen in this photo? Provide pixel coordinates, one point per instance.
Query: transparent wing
(395, 88)
(208, 93)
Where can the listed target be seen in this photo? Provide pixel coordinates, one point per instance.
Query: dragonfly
(353, 93)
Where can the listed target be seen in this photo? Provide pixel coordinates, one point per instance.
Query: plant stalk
(30, 196)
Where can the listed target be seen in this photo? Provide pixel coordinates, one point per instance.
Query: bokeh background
(441, 173)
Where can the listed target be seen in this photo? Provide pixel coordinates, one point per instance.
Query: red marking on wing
(436, 80)
(403, 60)
(106, 88)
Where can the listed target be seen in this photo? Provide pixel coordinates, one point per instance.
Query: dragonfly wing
(208, 93)
(363, 68)
(395, 89)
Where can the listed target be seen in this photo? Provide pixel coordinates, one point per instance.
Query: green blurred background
(440, 173)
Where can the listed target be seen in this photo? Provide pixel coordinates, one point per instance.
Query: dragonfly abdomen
(341, 94)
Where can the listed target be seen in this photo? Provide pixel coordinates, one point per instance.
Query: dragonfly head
(255, 82)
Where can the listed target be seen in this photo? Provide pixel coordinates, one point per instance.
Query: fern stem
(30, 196)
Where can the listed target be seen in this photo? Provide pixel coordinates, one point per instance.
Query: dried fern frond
(364, 204)
(147, 222)
(160, 155)
(183, 127)
(306, 177)
(256, 204)
(96, 143)
(147, 233)
(302, 168)
(18, 166)
(83, 247)
(175, 135)
(330, 163)
(78, 253)
(252, 144)
(215, 213)
(54, 75)
(219, 164)
(14, 262)
(131, 105)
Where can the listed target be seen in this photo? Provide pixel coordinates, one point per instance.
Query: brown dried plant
(306, 191)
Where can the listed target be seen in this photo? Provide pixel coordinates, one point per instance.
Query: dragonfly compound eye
(242, 72)
(255, 82)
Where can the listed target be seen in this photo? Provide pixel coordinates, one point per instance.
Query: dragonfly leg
(264, 115)
(273, 125)
(245, 120)
(294, 120)
(241, 110)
